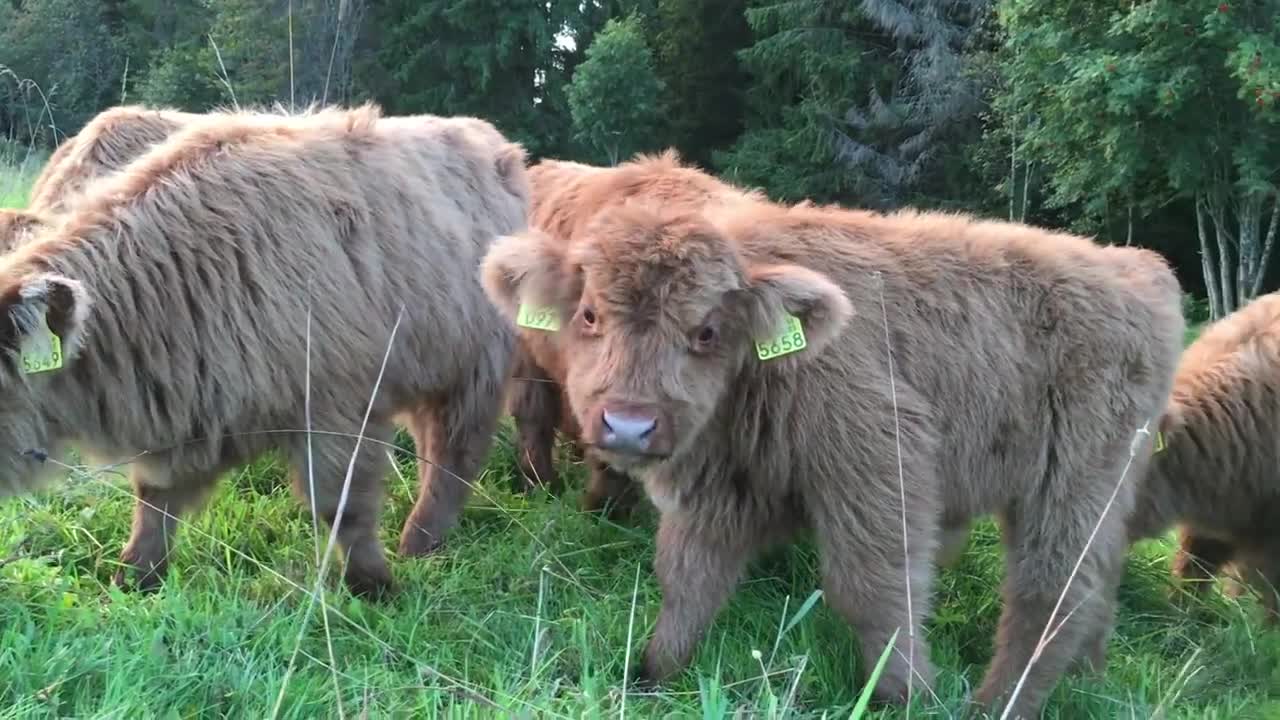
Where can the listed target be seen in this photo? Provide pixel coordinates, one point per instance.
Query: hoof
(370, 588)
(146, 582)
(417, 541)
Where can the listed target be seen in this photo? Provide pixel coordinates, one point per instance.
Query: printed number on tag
(41, 352)
(790, 340)
(538, 318)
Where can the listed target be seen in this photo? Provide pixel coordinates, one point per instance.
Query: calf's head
(41, 321)
(657, 315)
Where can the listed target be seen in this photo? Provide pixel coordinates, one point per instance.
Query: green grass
(18, 169)
(459, 638)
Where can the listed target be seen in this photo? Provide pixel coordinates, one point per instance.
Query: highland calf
(242, 282)
(764, 369)
(1216, 479)
(112, 139)
(566, 195)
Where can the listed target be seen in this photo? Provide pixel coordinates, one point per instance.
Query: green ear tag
(41, 350)
(1159, 444)
(538, 318)
(790, 339)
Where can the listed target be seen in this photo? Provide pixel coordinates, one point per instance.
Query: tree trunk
(1248, 245)
(1207, 263)
(1128, 236)
(1261, 276)
(1013, 167)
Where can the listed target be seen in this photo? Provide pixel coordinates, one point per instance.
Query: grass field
(529, 612)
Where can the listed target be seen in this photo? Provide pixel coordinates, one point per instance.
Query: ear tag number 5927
(41, 349)
(790, 339)
(538, 318)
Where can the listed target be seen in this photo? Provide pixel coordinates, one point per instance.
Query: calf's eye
(706, 337)
(589, 316)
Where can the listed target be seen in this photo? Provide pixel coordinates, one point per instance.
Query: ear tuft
(41, 300)
(525, 267)
(780, 290)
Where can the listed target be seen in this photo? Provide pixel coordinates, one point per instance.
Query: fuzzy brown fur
(566, 195)
(19, 226)
(108, 142)
(1216, 479)
(181, 288)
(112, 139)
(1023, 363)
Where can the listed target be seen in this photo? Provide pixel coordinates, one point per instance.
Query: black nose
(626, 432)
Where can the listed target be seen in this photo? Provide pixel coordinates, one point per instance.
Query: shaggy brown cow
(972, 366)
(180, 291)
(565, 197)
(108, 142)
(1216, 477)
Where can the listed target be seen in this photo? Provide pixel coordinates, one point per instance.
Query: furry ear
(526, 267)
(38, 305)
(776, 291)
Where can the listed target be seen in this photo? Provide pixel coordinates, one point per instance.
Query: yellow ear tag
(41, 349)
(790, 339)
(538, 318)
(1159, 444)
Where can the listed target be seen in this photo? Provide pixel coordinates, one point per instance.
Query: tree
(64, 48)
(614, 97)
(928, 102)
(811, 60)
(494, 59)
(696, 45)
(1135, 104)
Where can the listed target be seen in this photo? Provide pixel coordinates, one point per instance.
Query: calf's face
(658, 315)
(41, 321)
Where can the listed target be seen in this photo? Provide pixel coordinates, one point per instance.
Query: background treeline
(1150, 123)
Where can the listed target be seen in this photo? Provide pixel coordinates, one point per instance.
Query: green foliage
(809, 64)
(490, 58)
(65, 48)
(696, 46)
(1134, 102)
(614, 96)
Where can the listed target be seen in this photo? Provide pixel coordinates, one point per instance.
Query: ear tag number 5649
(41, 349)
(790, 339)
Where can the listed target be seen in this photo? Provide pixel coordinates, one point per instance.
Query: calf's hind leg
(1200, 558)
(1045, 544)
(162, 499)
(324, 465)
(453, 439)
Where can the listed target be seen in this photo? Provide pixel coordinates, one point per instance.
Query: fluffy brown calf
(112, 139)
(973, 367)
(1216, 477)
(242, 280)
(108, 142)
(566, 195)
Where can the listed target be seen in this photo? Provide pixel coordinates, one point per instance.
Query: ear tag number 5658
(790, 339)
